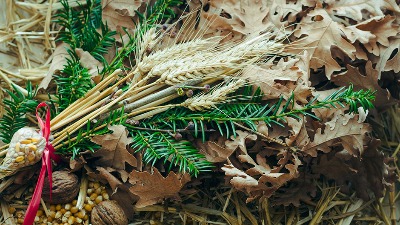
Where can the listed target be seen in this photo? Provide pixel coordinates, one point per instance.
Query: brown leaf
(77, 163)
(120, 13)
(152, 188)
(260, 179)
(359, 10)
(369, 81)
(344, 130)
(298, 133)
(382, 28)
(299, 189)
(93, 65)
(321, 34)
(113, 152)
(111, 179)
(214, 150)
(243, 182)
(364, 175)
(59, 60)
(287, 76)
(240, 140)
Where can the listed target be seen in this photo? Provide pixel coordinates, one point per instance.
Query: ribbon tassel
(48, 155)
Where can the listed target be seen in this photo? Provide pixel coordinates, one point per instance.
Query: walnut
(65, 188)
(108, 213)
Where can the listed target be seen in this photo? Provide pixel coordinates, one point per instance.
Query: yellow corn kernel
(63, 210)
(34, 140)
(67, 206)
(39, 213)
(20, 220)
(32, 147)
(30, 157)
(19, 158)
(86, 217)
(26, 141)
(93, 196)
(17, 147)
(81, 214)
(106, 196)
(89, 191)
(96, 185)
(58, 215)
(74, 209)
(98, 199)
(98, 191)
(49, 219)
(52, 214)
(52, 208)
(58, 207)
(74, 202)
(88, 207)
(71, 220)
(11, 210)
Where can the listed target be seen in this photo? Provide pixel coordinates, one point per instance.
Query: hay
(26, 46)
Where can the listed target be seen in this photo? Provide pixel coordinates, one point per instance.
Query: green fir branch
(249, 113)
(16, 107)
(72, 82)
(162, 146)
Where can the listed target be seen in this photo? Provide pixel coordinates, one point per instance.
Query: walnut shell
(65, 188)
(108, 213)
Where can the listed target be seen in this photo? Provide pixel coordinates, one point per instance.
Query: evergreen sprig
(17, 107)
(225, 117)
(72, 83)
(162, 146)
(80, 31)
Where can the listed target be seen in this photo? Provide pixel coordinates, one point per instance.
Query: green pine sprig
(16, 107)
(226, 117)
(80, 31)
(72, 83)
(159, 146)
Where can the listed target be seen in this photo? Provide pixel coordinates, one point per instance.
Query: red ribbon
(48, 155)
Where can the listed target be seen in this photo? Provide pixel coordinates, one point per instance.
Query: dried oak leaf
(389, 57)
(60, 55)
(214, 149)
(363, 174)
(152, 188)
(260, 179)
(344, 130)
(383, 97)
(113, 152)
(89, 62)
(298, 133)
(319, 34)
(254, 16)
(382, 28)
(105, 174)
(120, 13)
(297, 190)
(234, 20)
(287, 76)
(359, 10)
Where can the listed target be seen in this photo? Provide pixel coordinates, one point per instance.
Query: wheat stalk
(218, 95)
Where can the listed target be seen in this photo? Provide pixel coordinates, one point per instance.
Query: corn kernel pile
(67, 214)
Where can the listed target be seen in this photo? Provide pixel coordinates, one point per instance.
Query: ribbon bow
(48, 155)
